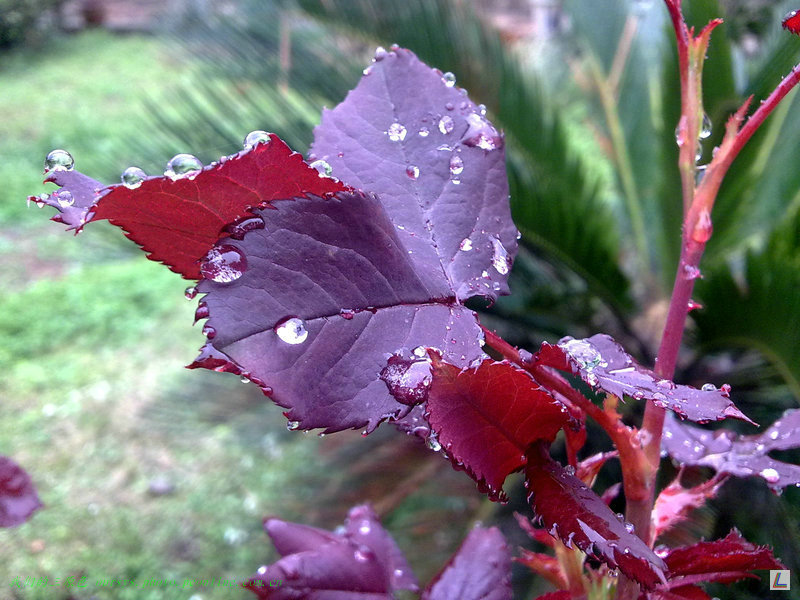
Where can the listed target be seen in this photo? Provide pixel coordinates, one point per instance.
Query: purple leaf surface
(739, 455)
(479, 570)
(18, 498)
(603, 364)
(363, 562)
(576, 515)
(437, 165)
(329, 295)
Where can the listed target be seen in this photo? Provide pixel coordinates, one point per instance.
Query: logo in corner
(779, 580)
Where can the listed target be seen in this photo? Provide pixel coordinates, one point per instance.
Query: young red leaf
(328, 296)
(486, 417)
(675, 502)
(724, 561)
(791, 22)
(577, 516)
(18, 498)
(177, 221)
(603, 364)
(684, 592)
(437, 164)
(479, 570)
(363, 562)
(545, 565)
(740, 455)
(559, 595)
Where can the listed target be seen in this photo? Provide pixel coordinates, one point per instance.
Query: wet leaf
(675, 502)
(487, 416)
(577, 516)
(739, 455)
(479, 570)
(18, 498)
(603, 364)
(178, 221)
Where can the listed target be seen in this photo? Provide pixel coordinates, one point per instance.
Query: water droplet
(58, 160)
(629, 527)
(293, 425)
(397, 132)
(292, 331)
(773, 435)
(209, 332)
(482, 109)
(412, 171)
(449, 79)
(692, 305)
(455, 181)
(238, 229)
(432, 442)
(705, 127)
(680, 131)
(423, 132)
(420, 352)
(770, 475)
(703, 228)
(481, 134)
(190, 292)
(569, 470)
(465, 245)
(500, 257)
(322, 167)
(183, 165)
(456, 164)
(224, 263)
(446, 124)
(64, 198)
(256, 137)
(691, 272)
(367, 70)
(363, 554)
(132, 177)
(347, 314)
(449, 106)
(244, 379)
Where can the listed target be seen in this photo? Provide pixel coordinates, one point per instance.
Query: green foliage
(18, 18)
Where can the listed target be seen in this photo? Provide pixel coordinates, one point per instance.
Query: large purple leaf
(576, 515)
(363, 562)
(18, 498)
(479, 570)
(740, 455)
(406, 134)
(328, 296)
(603, 364)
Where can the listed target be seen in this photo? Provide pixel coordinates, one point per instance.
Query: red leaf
(559, 595)
(791, 22)
(602, 363)
(684, 592)
(479, 570)
(486, 418)
(545, 565)
(178, 221)
(723, 561)
(18, 498)
(675, 502)
(576, 515)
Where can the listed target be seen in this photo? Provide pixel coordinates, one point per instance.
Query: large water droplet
(481, 134)
(705, 127)
(380, 54)
(446, 124)
(59, 160)
(500, 257)
(224, 263)
(132, 177)
(396, 132)
(292, 331)
(293, 425)
(465, 245)
(456, 164)
(256, 137)
(183, 165)
(770, 475)
(449, 79)
(322, 167)
(64, 198)
(407, 380)
(412, 171)
(583, 352)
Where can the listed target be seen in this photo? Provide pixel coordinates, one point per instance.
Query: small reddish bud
(791, 22)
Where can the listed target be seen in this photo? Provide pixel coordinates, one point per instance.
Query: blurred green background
(151, 471)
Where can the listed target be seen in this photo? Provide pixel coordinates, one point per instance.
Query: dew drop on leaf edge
(59, 160)
(132, 177)
(64, 198)
(256, 137)
(449, 79)
(182, 165)
(292, 331)
(396, 132)
(322, 167)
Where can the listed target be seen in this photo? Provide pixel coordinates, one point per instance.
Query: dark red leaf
(603, 364)
(178, 221)
(675, 502)
(328, 296)
(684, 592)
(577, 516)
(722, 561)
(486, 417)
(559, 595)
(734, 454)
(479, 570)
(18, 498)
(791, 22)
(437, 165)
(363, 562)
